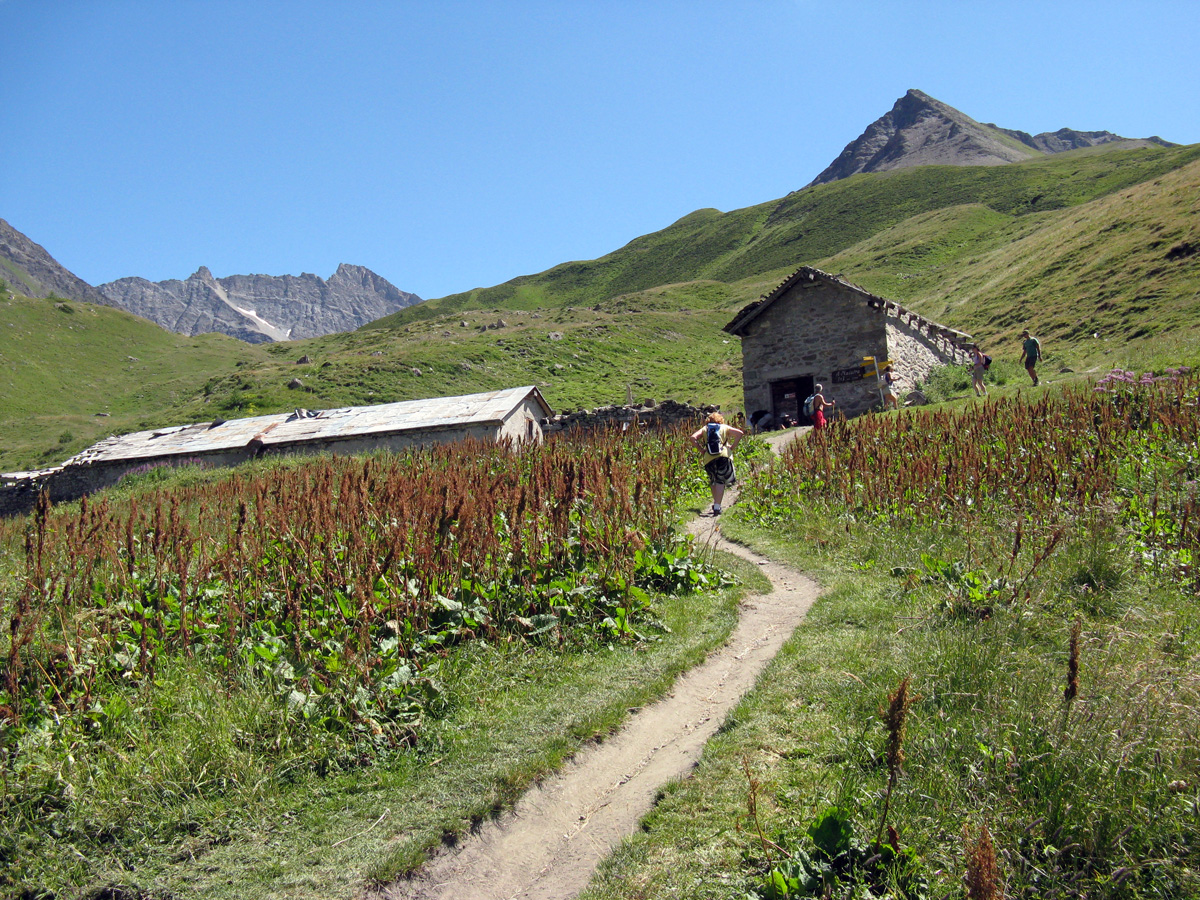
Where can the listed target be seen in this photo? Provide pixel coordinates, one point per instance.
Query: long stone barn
(817, 328)
(515, 414)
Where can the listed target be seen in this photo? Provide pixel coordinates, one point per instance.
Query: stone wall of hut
(813, 330)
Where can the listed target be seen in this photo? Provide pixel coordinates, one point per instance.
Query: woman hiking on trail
(820, 404)
(979, 365)
(717, 441)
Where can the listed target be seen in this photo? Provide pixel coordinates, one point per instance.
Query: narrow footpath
(549, 845)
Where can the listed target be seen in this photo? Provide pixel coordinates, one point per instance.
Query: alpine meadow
(305, 677)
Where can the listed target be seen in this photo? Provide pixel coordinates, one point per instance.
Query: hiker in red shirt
(820, 404)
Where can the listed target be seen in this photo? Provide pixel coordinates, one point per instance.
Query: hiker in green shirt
(1031, 352)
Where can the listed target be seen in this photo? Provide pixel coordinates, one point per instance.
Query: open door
(787, 398)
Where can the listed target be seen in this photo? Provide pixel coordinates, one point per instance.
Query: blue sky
(449, 145)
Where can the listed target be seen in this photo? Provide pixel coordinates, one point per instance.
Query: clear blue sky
(448, 145)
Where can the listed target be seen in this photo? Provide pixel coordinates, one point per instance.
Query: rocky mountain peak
(922, 131)
(260, 308)
(31, 271)
(253, 308)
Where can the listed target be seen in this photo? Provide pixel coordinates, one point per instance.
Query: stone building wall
(812, 331)
(19, 495)
(913, 355)
(395, 442)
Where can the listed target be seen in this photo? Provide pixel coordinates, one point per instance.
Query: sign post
(872, 367)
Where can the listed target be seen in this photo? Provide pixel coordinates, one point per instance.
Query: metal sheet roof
(318, 425)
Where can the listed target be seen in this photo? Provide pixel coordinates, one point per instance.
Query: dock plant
(1028, 566)
(319, 597)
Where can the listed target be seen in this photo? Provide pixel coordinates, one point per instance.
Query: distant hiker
(819, 405)
(761, 420)
(1031, 352)
(717, 441)
(890, 395)
(979, 367)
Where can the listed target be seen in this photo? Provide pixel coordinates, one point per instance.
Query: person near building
(820, 404)
(1031, 353)
(979, 364)
(717, 441)
(891, 395)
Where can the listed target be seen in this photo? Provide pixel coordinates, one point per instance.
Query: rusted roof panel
(319, 425)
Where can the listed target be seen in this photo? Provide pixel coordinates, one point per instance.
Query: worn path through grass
(548, 847)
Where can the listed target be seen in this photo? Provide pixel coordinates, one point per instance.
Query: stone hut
(817, 328)
(514, 414)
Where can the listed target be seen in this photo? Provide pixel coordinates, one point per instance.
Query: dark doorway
(787, 398)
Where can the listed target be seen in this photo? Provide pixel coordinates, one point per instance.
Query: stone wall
(648, 414)
(19, 495)
(812, 331)
(913, 355)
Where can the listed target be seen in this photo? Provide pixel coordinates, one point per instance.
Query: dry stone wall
(649, 414)
(912, 354)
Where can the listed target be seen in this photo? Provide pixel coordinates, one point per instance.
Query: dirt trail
(549, 845)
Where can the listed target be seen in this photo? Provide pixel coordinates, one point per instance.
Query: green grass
(1084, 244)
(1103, 283)
(198, 815)
(1099, 796)
(86, 370)
(986, 739)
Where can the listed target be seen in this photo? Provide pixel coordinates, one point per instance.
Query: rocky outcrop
(1069, 139)
(28, 269)
(922, 131)
(262, 308)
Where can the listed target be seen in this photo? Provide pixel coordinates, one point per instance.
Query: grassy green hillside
(1110, 280)
(1096, 250)
(71, 373)
(814, 224)
(64, 363)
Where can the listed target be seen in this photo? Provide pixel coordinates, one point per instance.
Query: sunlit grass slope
(62, 364)
(1095, 250)
(814, 224)
(1113, 280)
(71, 373)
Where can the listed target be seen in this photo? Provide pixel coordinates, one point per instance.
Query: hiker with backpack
(815, 406)
(717, 441)
(891, 396)
(1031, 352)
(980, 363)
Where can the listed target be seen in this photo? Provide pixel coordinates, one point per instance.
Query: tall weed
(1043, 581)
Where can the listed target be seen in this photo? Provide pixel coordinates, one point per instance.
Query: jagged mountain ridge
(922, 131)
(253, 308)
(262, 308)
(28, 269)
